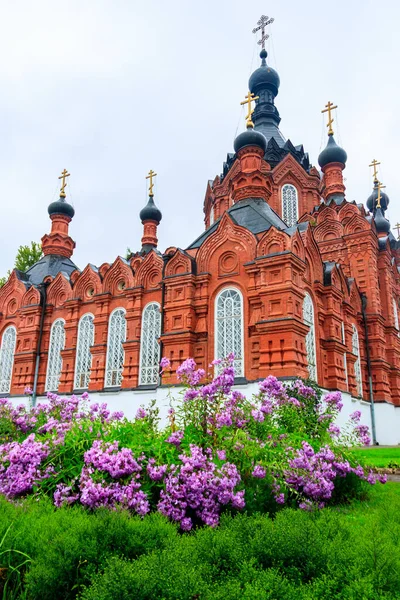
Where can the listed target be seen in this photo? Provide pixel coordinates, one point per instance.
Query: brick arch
(31, 297)
(288, 170)
(118, 277)
(59, 291)
(87, 284)
(347, 212)
(149, 274)
(313, 255)
(179, 264)
(272, 241)
(227, 231)
(297, 246)
(11, 294)
(326, 213)
(328, 230)
(355, 224)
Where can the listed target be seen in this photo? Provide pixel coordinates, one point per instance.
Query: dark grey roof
(51, 265)
(271, 130)
(254, 214)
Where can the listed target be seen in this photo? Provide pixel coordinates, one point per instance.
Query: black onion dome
(381, 223)
(373, 198)
(250, 137)
(264, 77)
(61, 207)
(150, 212)
(332, 154)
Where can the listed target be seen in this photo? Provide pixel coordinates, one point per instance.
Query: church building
(286, 273)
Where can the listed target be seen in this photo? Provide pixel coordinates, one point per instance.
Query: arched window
(7, 351)
(357, 364)
(149, 346)
(395, 314)
(229, 327)
(211, 216)
(289, 205)
(83, 355)
(115, 350)
(308, 317)
(54, 363)
(345, 357)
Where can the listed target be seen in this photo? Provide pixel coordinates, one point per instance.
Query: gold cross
(151, 184)
(397, 226)
(378, 200)
(374, 164)
(328, 109)
(249, 99)
(64, 174)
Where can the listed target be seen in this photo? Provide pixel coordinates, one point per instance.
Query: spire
(150, 216)
(58, 242)
(332, 161)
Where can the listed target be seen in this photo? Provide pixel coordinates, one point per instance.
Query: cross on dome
(262, 23)
(249, 98)
(63, 176)
(374, 164)
(329, 107)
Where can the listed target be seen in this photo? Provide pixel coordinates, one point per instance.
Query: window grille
(149, 346)
(308, 317)
(289, 205)
(7, 352)
(229, 327)
(83, 355)
(357, 364)
(345, 357)
(54, 364)
(115, 350)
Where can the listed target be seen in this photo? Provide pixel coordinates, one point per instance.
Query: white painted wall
(387, 416)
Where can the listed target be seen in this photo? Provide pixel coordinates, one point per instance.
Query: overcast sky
(112, 88)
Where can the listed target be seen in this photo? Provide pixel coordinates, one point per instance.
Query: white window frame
(355, 343)
(80, 361)
(52, 376)
(310, 340)
(395, 314)
(345, 357)
(289, 215)
(7, 355)
(149, 373)
(118, 371)
(239, 362)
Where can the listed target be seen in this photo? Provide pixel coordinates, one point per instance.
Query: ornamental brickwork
(337, 259)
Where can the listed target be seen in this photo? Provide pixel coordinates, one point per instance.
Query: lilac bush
(219, 452)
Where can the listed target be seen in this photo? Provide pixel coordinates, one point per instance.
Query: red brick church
(287, 274)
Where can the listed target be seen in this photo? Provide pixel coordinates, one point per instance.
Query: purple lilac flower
(257, 415)
(187, 372)
(334, 400)
(156, 473)
(304, 390)
(334, 430)
(140, 413)
(175, 438)
(221, 454)
(356, 416)
(362, 431)
(259, 472)
(165, 363)
(199, 486)
(28, 391)
(20, 466)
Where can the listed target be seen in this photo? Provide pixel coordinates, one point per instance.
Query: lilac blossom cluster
(21, 466)
(312, 474)
(199, 489)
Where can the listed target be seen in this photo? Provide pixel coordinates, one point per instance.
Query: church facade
(287, 274)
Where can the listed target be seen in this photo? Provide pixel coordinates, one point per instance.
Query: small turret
(332, 161)
(58, 242)
(150, 216)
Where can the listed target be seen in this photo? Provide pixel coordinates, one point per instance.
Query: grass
(379, 457)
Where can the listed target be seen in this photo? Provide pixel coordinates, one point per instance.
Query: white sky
(112, 88)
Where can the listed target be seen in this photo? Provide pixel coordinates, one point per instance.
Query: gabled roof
(254, 214)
